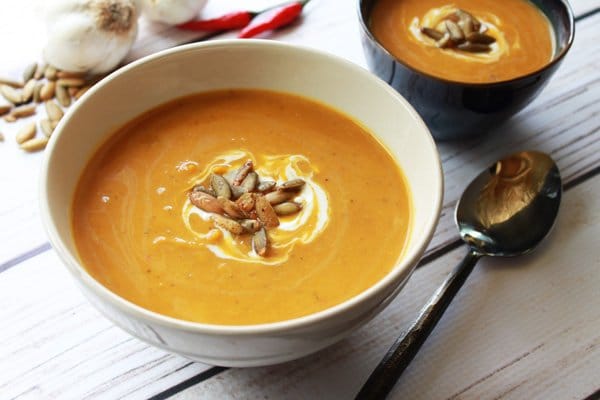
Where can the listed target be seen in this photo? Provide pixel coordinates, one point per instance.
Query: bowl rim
(401, 270)
(554, 61)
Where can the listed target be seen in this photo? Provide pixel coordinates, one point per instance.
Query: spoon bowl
(507, 210)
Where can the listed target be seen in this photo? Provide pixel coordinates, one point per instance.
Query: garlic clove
(172, 12)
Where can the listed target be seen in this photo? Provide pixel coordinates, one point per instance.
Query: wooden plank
(562, 121)
(55, 345)
(521, 328)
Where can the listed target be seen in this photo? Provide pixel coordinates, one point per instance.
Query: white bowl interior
(240, 64)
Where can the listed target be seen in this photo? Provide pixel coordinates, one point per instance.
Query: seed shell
(50, 73)
(29, 72)
(204, 189)
(5, 108)
(266, 186)
(444, 42)
(464, 15)
(246, 202)
(39, 71)
(26, 132)
(23, 111)
(220, 186)
(71, 82)
(27, 93)
(260, 242)
(227, 224)
(70, 75)
(35, 144)
(47, 91)
(36, 92)
(53, 111)
(250, 181)
(47, 127)
(265, 212)
(11, 94)
(62, 95)
(12, 83)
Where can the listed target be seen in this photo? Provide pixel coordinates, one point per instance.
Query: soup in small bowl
(466, 65)
(241, 203)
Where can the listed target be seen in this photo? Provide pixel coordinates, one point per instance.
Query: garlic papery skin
(90, 35)
(171, 12)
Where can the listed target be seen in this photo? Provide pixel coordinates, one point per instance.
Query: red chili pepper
(233, 20)
(273, 18)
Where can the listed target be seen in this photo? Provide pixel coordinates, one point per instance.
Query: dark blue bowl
(454, 110)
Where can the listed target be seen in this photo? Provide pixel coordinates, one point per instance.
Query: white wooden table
(525, 328)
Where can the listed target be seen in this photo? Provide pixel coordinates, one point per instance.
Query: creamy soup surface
(524, 38)
(138, 234)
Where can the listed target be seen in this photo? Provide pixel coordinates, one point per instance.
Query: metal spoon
(505, 211)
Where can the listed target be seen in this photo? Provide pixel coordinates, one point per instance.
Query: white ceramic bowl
(184, 70)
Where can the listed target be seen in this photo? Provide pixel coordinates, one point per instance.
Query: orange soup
(139, 234)
(513, 37)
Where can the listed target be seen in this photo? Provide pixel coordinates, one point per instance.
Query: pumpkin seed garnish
(474, 47)
(220, 186)
(294, 184)
(287, 208)
(231, 208)
(206, 202)
(246, 202)
(12, 83)
(260, 242)
(456, 34)
(480, 38)
(23, 111)
(432, 33)
(463, 32)
(202, 188)
(28, 89)
(250, 181)
(11, 94)
(47, 127)
(265, 212)
(243, 172)
(250, 225)
(266, 186)
(26, 132)
(227, 224)
(279, 196)
(47, 91)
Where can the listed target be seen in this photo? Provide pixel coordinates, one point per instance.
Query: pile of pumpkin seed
(242, 203)
(462, 31)
(41, 83)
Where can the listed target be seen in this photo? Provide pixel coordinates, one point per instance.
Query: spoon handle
(404, 349)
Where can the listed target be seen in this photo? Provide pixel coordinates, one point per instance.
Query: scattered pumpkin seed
(237, 191)
(243, 172)
(227, 224)
(23, 111)
(260, 242)
(35, 144)
(26, 132)
(39, 71)
(205, 202)
(27, 92)
(10, 82)
(11, 94)
(53, 111)
(70, 75)
(71, 82)
(5, 108)
(265, 212)
(47, 127)
(220, 186)
(63, 96)
(444, 42)
(10, 118)
(29, 72)
(50, 73)
(456, 34)
(47, 91)
(36, 92)
(466, 16)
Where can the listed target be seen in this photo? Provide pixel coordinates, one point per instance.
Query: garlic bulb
(90, 35)
(172, 11)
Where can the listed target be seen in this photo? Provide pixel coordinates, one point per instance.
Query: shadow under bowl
(455, 110)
